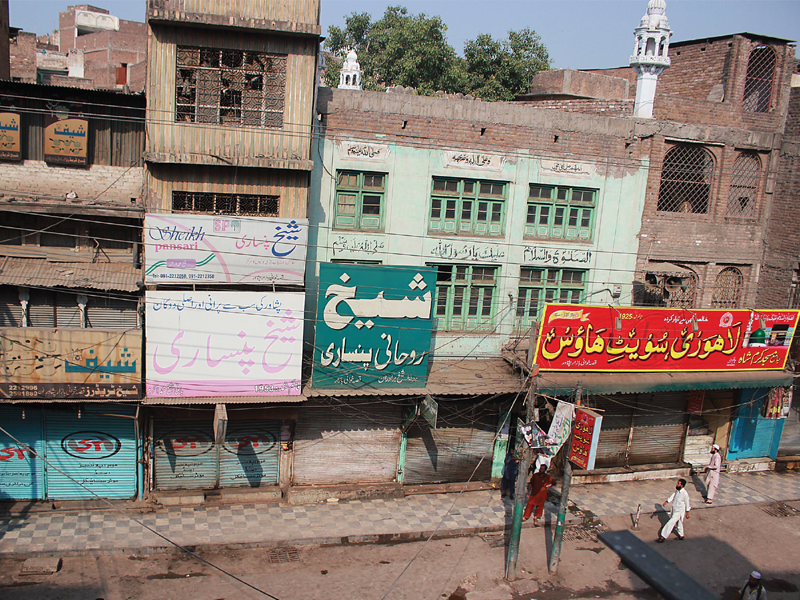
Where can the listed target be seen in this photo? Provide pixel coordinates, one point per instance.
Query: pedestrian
(680, 508)
(537, 487)
(510, 472)
(753, 590)
(712, 476)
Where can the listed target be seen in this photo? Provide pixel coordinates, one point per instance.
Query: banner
(10, 146)
(211, 249)
(778, 404)
(585, 437)
(602, 338)
(373, 326)
(560, 428)
(66, 142)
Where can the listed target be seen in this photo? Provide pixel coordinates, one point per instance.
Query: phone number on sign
(183, 276)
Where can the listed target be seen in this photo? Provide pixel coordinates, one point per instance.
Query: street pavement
(108, 531)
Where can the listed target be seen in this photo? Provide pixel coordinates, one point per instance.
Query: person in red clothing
(538, 486)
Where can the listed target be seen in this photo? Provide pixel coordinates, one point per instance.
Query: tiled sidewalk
(413, 517)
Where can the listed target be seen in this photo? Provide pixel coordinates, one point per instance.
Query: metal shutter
(612, 446)
(111, 313)
(97, 450)
(453, 450)
(659, 427)
(68, 313)
(347, 445)
(10, 307)
(185, 455)
(753, 436)
(41, 309)
(21, 474)
(250, 455)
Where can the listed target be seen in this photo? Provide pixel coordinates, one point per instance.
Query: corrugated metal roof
(630, 383)
(223, 400)
(39, 272)
(447, 377)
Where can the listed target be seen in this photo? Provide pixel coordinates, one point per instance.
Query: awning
(446, 378)
(629, 383)
(39, 272)
(172, 401)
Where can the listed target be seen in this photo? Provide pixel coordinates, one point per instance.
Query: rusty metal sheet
(39, 272)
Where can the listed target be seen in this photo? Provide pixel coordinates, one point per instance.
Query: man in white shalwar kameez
(680, 508)
(712, 476)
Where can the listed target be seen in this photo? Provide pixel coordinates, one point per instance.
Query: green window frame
(538, 286)
(557, 212)
(359, 200)
(467, 206)
(466, 296)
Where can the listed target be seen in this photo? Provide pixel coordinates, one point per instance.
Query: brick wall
(5, 64)
(22, 51)
(616, 108)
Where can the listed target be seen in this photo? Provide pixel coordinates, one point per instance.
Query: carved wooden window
(539, 286)
(759, 79)
(465, 297)
(728, 289)
(230, 87)
(225, 204)
(467, 207)
(560, 213)
(744, 185)
(686, 177)
(360, 200)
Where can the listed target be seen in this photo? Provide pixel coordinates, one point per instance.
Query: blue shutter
(753, 436)
(250, 455)
(97, 450)
(21, 474)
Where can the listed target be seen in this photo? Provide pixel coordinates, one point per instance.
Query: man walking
(510, 472)
(753, 590)
(712, 474)
(538, 486)
(680, 508)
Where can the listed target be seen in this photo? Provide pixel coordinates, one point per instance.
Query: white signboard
(561, 167)
(473, 160)
(224, 343)
(215, 249)
(349, 150)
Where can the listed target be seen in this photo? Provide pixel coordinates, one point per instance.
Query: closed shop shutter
(753, 436)
(790, 438)
(21, 473)
(250, 456)
(453, 450)
(41, 309)
(111, 313)
(10, 307)
(96, 450)
(347, 445)
(659, 427)
(186, 456)
(615, 431)
(68, 313)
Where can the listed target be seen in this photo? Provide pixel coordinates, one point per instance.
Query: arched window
(686, 178)
(758, 84)
(744, 185)
(728, 288)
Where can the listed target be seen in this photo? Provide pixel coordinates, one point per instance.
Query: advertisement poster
(560, 427)
(373, 326)
(211, 249)
(603, 338)
(10, 145)
(696, 402)
(207, 344)
(66, 142)
(585, 438)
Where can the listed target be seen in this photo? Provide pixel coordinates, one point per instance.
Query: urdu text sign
(585, 338)
(373, 326)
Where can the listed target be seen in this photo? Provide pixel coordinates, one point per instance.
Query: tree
(502, 69)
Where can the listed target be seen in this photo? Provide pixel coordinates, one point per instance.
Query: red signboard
(696, 402)
(584, 438)
(603, 338)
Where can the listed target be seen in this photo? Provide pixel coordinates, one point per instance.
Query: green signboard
(429, 409)
(373, 326)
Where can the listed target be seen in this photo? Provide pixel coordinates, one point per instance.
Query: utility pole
(566, 481)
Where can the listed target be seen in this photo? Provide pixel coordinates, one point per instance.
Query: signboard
(560, 428)
(180, 249)
(429, 409)
(66, 142)
(585, 437)
(589, 338)
(224, 343)
(696, 402)
(373, 326)
(779, 403)
(10, 146)
(70, 363)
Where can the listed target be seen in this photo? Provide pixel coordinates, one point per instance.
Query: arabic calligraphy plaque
(66, 142)
(585, 338)
(10, 146)
(373, 326)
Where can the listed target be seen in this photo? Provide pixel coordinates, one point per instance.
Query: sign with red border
(604, 338)
(585, 436)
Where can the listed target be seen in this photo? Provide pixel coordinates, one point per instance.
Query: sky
(579, 34)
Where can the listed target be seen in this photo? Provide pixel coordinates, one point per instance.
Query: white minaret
(350, 76)
(650, 56)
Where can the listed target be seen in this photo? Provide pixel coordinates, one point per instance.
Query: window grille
(686, 178)
(728, 288)
(758, 82)
(225, 204)
(230, 87)
(670, 290)
(794, 290)
(744, 185)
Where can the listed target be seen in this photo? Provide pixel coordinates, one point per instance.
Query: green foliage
(412, 50)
